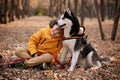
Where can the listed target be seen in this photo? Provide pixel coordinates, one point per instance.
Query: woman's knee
(19, 50)
(22, 52)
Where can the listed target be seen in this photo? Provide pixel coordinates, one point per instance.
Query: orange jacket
(44, 42)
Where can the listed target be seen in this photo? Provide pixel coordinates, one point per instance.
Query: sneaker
(42, 66)
(18, 65)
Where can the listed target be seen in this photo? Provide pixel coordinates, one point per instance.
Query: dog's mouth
(62, 25)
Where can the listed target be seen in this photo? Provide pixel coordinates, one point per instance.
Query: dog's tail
(106, 59)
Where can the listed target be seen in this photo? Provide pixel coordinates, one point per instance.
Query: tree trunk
(11, 11)
(98, 16)
(60, 7)
(55, 4)
(50, 8)
(0, 12)
(102, 10)
(64, 4)
(115, 25)
(17, 9)
(6, 11)
(27, 8)
(82, 12)
(116, 6)
(69, 4)
(21, 8)
(75, 6)
(109, 6)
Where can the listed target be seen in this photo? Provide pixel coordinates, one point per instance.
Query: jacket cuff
(33, 54)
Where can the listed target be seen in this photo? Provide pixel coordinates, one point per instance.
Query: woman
(43, 46)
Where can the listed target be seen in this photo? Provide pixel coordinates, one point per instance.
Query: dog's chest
(69, 43)
(67, 32)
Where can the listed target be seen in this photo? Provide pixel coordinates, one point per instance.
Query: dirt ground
(17, 33)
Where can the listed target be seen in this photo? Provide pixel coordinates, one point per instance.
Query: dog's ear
(83, 28)
(72, 14)
(75, 26)
(68, 11)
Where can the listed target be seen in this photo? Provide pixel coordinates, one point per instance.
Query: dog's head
(69, 20)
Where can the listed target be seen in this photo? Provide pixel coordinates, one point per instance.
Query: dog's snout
(57, 23)
(62, 25)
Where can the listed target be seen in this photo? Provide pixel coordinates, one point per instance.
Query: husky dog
(76, 44)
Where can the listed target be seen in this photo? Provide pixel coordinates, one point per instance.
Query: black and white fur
(79, 48)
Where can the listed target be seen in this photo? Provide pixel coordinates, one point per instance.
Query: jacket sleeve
(33, 41)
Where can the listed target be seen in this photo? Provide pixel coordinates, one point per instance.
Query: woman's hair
(52, 23)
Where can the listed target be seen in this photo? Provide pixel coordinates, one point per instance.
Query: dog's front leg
(63, 54)
(74, 60)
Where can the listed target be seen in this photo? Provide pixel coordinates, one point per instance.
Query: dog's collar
(76, 37)
(73, 37)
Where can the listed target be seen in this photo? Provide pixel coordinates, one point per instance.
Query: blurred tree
(82, 11)
(99, 20)
(11, 9)
(1, 11)
(64, 4)
(53, 8)
(102, 9)
(75, 6)
(115, 25)
(69, 4)
(50, 8)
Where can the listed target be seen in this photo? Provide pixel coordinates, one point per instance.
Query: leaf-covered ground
(16, 34)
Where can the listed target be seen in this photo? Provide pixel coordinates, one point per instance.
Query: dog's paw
(70, 69)
(95, 68)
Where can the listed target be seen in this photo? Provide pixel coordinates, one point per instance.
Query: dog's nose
(56, 22)
(0, 56)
